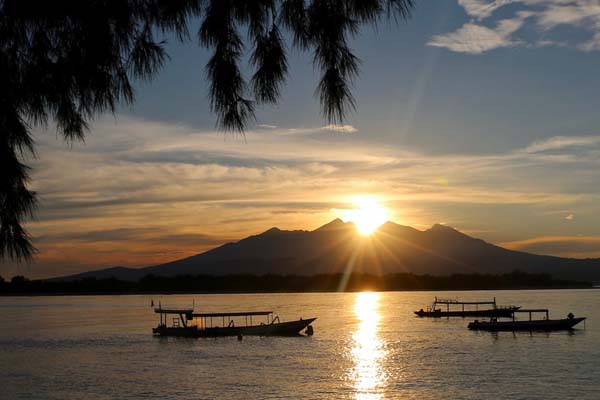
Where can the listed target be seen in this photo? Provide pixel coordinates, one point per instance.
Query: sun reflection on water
(368, 351)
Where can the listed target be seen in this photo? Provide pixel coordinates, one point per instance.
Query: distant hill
(337, 247)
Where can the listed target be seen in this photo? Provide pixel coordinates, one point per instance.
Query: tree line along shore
(287, 283)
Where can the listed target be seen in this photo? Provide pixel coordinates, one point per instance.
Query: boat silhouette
(496, 311)
(545, 324)
(187, 323)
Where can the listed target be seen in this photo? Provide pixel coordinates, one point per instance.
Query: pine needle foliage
(68, 61)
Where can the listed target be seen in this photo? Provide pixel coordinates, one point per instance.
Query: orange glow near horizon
(367, 216)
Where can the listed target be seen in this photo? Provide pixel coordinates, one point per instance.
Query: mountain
(337, 247)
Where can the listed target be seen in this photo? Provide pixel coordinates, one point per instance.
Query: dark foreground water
(366, 346)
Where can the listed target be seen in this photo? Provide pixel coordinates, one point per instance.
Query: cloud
(563, 142)
(340, 128)
(146, 234)
(482, 9)
(476, 39)
(574, 13)
(306, 131)
(561, 246)
(545, 16)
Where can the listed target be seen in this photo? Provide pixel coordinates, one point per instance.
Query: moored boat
(545, 324)
(495, 311)
(187, 323)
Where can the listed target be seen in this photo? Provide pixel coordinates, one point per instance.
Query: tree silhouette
(68, 61)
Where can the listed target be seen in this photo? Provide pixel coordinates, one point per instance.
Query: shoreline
(324, 283)
(170, 293)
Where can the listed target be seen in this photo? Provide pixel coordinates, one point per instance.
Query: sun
(367, 216)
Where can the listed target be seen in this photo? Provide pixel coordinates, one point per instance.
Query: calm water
(366, 346)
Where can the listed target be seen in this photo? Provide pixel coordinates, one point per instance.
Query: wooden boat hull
(539, 325)
(491, 313)
(289, 328)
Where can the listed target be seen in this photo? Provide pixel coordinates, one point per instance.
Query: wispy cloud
(562, 142)
(562, 246)
(476, 39)
(544, 15)
(340, 128)
(482, 9)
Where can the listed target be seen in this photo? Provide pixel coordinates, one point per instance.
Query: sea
(366, 345)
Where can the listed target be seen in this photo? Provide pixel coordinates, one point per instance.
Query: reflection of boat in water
(496, 311)
(187, 323)
(545, 324)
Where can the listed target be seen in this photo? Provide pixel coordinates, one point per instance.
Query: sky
(482, 115)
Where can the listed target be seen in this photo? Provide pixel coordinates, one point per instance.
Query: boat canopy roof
(232, 314)
(173, 310)
(453, 301)
(190, 311)
(532, 310)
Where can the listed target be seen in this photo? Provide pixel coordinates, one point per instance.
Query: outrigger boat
(545, 324)
(187, 323)
(496, 311)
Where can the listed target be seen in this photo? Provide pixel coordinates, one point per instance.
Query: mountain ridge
(336, 247)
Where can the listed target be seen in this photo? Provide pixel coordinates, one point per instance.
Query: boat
(187, 323)
(545, 324)
(496, 311)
